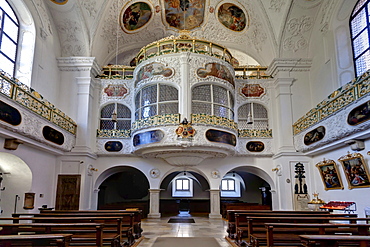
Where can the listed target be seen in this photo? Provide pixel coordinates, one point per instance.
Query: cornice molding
(288, 64)
(78, 64)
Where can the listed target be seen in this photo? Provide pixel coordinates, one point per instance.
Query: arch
(26, 42)
(16, 179)
(251, 115)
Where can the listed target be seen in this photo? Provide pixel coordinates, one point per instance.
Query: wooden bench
(254, 224)
(60, 240)
(334, 240)
(86, 234)
(231, 230)
(283, 234)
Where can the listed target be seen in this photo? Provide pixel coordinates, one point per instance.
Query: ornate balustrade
(32, 100)
(255, 133)
(117, 72)
(158, 120)
(340, 98)
(213, 120)
(251, 72)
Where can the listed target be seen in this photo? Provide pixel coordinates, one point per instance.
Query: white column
(154, 204)
(185, 93)
(215, 204)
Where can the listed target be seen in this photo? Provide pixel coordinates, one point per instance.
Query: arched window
(252, 116)
(9, 30)
(108, 120)
(212, 100)
(360, 36)
(158, 99)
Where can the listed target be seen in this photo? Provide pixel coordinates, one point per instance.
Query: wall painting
(355, 170)
(359, 114)
(314, 135)
(9, 114)
(135, 16)
(221, 136)
(216, 70)
(232, 17)
(148, 137)
(184, 14)
(252, 90)
(255, 146)
(330, 175)
(113, 146)
(53, 135)
(115, 90)
(153, 69)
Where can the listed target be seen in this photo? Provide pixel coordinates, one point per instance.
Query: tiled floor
(203, 227)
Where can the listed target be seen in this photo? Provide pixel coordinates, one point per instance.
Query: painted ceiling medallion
(135, 16)
(185, 130)
(184, 14)
(61, 2)
(232, 17)
(252, 90)
(154, 173)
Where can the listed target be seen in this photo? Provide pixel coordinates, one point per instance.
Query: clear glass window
(9, 30)
(182, 184)
(252, 116)
(158, 99)
(360, 26)
(228, 184)
(122, 121)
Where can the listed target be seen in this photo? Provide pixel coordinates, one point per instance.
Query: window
(252, 116)
(9, 30)
(212, 100)
(228, 185)
(123, 117)
(360, 31)
(182, 184)
(158, 99)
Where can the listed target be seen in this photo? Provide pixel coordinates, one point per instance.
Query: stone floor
(203, 227)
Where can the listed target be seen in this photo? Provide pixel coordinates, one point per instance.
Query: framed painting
(330, 175)
(355, 170)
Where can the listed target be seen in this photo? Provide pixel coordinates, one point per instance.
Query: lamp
(114, 116)
(249, 117)
(233, 173)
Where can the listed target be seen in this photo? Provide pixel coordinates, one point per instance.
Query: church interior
(184, 105)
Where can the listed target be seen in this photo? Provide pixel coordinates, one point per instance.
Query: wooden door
(68, 192)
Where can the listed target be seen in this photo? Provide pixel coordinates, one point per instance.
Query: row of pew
(100, 228)
(296, 228)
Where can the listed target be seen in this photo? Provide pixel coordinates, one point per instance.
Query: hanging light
(249, 117)
(114, 116)
(184, 173)
(233, 173)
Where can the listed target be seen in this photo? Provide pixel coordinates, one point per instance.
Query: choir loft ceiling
(275, 28)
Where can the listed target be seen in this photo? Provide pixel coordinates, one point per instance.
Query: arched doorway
(15, 181)
(126, 188)
(184, 192)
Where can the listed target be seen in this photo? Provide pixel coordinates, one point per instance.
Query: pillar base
(154, 216)
(215, 216)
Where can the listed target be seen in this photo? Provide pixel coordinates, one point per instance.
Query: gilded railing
(213, 120)
(183, 43)
(340, 98)
(255, 133)
(114, 133)
(156, 121)
(251, 72)
(117, 72)
(32, 100)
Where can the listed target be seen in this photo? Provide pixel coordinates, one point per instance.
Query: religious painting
(255, 146)
(252, 90)
(53, 135)
(330, 175)
(153, 69)
(135, 16)
(113, 146)
(184, 14)
(216, 70)
(148, 137)
(232, 17)
(355, 170)
(115, 90)
(314, 135)
(359, 114)
(9, 114)
(221, 136)
(29, 200)
(61, 2)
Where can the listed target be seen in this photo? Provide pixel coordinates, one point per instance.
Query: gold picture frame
(29, 200)
(355, 170)
(330, 175)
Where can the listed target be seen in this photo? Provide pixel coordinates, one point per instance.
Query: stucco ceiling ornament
(297, 27)
(90, 7)
(154, 173)
(215, 174)
(276, 5)
(44, 17)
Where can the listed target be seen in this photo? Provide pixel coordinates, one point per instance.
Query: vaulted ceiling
(274, 28)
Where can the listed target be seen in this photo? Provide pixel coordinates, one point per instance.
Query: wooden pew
(253, 224)
(334, 240)
(86, 234)
(231, 230)
(61, 240)
(283, 234)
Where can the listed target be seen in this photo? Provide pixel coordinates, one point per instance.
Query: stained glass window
(122, 121)
(360, 26)
(158, 99)
(9, 30)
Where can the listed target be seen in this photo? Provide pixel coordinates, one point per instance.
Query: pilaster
(154, 204)
(215, 204)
